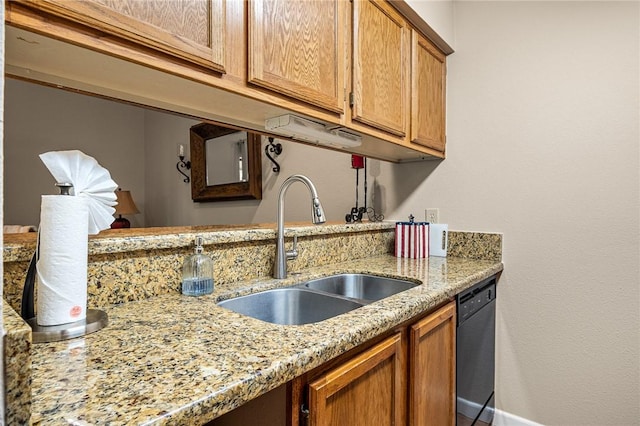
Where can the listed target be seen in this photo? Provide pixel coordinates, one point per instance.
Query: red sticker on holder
(75, 311)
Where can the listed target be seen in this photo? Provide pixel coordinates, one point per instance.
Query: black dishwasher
(475, 354)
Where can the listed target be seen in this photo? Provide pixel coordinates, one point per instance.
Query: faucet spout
(317, 214)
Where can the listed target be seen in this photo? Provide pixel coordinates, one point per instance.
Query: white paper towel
(62, 265)
(89, 180)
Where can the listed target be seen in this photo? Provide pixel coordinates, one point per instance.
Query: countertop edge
(20, 247)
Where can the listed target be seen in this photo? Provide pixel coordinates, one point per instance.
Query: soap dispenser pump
(197, 272)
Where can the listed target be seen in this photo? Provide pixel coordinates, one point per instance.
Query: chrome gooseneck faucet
(282, 255)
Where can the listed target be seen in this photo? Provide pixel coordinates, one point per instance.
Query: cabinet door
(192, 30)
(365, 391)
(297, 48)
(432, 368)
(380, 66)
(428, 76)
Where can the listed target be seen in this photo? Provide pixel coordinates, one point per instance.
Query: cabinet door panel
(297, 48)
(428, 94)
(380, 67)
(364, 391)
(192, 30)
(432, 369)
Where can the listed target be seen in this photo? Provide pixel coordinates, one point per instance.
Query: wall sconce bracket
(276, 148)
(183, 165)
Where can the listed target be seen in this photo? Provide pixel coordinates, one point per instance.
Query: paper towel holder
(64, 187)
(95, 318)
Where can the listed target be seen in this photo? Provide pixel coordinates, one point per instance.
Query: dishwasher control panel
(474, 298)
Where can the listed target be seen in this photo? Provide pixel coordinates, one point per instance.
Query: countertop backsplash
(127, 267)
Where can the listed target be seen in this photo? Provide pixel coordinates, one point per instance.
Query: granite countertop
(175, 359)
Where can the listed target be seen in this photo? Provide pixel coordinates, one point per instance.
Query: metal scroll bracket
(184, 165)
(276, 148)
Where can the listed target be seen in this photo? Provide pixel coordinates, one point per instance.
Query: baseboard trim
(502, 418)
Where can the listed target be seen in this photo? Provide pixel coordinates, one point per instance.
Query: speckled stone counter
(175, 359)
(17, 367)
(171, 359)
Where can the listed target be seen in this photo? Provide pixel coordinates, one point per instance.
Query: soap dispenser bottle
(197, 272)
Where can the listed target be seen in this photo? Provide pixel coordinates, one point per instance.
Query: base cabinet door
(192, 30)
(432, 381)
(364, 391)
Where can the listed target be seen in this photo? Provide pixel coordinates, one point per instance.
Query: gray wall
(40, 119)
(543, 145)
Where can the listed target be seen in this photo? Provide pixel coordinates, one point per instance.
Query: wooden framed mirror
(225, 164)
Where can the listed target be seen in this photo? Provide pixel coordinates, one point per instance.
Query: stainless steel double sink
(316, 300)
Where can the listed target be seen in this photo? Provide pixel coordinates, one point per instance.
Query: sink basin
(316, 300)
(367, 288)
(289, 306)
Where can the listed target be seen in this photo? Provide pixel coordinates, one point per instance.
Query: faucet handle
(317, 212)
(293, 253)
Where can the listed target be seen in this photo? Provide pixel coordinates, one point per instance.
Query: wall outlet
(431, 215)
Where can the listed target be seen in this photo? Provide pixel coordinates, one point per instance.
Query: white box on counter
(438, 239)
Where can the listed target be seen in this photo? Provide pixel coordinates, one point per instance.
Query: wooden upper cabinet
(380, 66)
(297, 48)
(192, 30)
(428, 79)
(366, 390)
(432, 367)
(262, 57)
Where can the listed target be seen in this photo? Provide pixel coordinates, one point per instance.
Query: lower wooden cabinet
(366, 390)
(406, 379)
(432, 369)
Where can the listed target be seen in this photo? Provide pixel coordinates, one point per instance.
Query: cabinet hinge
(304, 415)
(351, 100)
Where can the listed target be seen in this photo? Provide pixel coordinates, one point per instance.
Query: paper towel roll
(62, 262)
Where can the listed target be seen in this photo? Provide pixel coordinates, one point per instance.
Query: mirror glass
(226, 159)
(225, 164)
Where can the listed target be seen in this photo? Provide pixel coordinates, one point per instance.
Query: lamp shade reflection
(125, 206)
